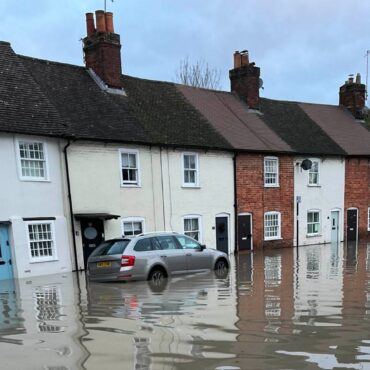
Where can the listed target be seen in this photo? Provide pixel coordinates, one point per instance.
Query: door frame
(331, 225)
(227, 215)
(86, 220)
(237, 234)
(357, 212)
(6, 225)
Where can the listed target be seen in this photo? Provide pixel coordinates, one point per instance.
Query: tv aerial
(105, 4)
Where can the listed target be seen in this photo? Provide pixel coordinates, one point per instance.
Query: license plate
(103, 264)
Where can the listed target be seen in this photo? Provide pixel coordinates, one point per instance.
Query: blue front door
(6, 269)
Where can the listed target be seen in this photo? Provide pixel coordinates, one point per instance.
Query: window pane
(132, 160)
(124, 160)
(186, 161)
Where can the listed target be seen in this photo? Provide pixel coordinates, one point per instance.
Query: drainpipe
(235, 208)
(70, 203)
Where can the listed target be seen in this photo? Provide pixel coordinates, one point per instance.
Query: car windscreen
(110, 247)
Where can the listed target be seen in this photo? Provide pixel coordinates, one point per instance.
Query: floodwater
(279, 309)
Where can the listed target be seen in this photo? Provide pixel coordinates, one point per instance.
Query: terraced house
(91, 154)
(34, 237)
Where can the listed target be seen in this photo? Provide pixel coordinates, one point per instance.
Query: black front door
(245, 232)
(92, 235)
(222, 234)
(351, 224)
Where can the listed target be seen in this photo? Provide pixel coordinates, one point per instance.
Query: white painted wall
(96, 188)
(326, 197)
(32, 199)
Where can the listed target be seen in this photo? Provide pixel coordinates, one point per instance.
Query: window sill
(272, 186)
(271, 239)
(33, 179)
(314, 185)
(191, 187)
(313, 235)
(44, 260)
(130, 186)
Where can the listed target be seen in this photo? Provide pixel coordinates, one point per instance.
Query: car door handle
(10, 262)
(2, 262)
(188, 254)
(164, 256)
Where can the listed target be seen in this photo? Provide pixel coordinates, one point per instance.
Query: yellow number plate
(103, 264)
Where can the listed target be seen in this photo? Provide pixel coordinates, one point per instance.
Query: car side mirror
(202, 247)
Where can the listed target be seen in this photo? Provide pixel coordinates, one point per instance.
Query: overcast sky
(305, 48)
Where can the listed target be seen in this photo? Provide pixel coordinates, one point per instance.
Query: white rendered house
(319, 196)
(125, 190)
(33, 227)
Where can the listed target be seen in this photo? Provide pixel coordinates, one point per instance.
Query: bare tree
(199, 74)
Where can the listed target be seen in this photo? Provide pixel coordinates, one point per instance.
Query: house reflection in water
(40, 322)
(310, 306)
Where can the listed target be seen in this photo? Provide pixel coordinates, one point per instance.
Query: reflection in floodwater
(276, 309)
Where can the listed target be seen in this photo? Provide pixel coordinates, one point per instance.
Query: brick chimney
(352, 95)
(102, 48)
(245, 79)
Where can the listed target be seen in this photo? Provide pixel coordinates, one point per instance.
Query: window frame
(313, 223)
(54, 256)
(276, 184)
(277, 237)
(132, 220)
(45, 160)
(200, 226)
(130, 184)
(197, 177)
(314, 160)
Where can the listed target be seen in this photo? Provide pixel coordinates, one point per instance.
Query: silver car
(152, 256)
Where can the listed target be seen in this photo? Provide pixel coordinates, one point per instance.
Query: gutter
(70, 203)
(235, 206)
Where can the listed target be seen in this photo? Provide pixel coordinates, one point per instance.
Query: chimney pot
(358, 78)
(109, 22)
(237, 60)
(90, 24)
(100, 21)
(245, 58)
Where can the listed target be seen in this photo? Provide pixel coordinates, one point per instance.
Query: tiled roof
(230, 117)
(340, 125)
(151, 113)
(24, 107)
(297, 128)
(49, 98)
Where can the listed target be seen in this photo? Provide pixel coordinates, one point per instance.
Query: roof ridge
(52, 62)
(300, 102)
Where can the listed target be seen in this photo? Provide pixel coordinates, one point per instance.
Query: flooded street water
(279, 309)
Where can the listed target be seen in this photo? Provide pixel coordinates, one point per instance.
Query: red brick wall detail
(357, 192)
(254, 198)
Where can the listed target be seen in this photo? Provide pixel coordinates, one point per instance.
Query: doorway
(334, 226)
(245, 232)
(92, 231)
(352, 219)
(222, 234)
(6, 267)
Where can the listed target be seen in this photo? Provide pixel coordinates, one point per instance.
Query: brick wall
(357, 192)
(254, 198)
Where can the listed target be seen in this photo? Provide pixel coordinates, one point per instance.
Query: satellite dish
(260, 83)
(306, 164)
